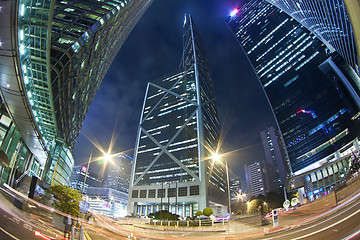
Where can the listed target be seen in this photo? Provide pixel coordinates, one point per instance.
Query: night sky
(153, 50)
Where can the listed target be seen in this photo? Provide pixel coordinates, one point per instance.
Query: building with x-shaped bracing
(178, 135)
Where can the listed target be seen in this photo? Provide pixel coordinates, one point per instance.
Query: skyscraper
(54, 57)
(118, 173)
(78, 177)
(329, 21)
(275, 154)
(260, 179)
(305, 87)
(178, 135)
(235, 188)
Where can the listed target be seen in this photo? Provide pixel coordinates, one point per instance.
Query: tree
(66, 199)
(274, 200)
(199, 213)
(207, 211)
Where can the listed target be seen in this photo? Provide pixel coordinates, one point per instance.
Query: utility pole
(87, 170)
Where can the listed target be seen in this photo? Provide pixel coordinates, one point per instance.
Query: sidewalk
(287, 220)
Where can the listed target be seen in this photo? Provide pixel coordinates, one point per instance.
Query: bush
(207, 211)
(199, 213)
(163, 214)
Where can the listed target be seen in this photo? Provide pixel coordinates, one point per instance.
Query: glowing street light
(107, 156)
(216, 157)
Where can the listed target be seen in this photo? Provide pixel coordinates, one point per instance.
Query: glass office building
(55, 55)
(79, 182)
(276, 155)
(118, 173)
(329, 21)
(178, 134)
(304, 82)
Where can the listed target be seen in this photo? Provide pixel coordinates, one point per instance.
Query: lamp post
(216, 158)
(107, 158)
(86, 173)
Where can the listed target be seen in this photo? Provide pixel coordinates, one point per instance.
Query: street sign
(275, 218)
(294, 202)
(286, 204)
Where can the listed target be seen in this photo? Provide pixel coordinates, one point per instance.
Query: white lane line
(327, 219)
(351, 235)
(330, 226)
(9, 234)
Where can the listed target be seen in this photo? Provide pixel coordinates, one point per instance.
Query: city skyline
(232, 76)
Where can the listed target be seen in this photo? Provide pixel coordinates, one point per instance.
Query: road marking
(352, 235)
(330, 226)
(313, 226)
(9, 234)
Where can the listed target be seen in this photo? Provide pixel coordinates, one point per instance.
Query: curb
(178, 230)
(277, 230)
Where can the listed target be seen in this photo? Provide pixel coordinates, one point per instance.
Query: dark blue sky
(153, 50)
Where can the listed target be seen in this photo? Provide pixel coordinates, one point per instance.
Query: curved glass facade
(33, 22)
(55, 59)
(59, 169)
(302, 82)
(329, 21)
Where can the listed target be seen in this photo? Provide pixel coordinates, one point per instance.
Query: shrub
(207, 211)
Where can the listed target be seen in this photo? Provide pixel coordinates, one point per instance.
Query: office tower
(275, 154)
(78, 177)
(306, 89)
(54, 57)
(118, 173)
(235, 188)
(329, 21)
(259, 179)
(178, 135)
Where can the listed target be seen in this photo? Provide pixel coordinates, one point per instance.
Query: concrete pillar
(177, 209)
(183, 208)
(329, 178)
(146, 210)
(356, 145)
(191, 210)
(332, 168)
(323, 180)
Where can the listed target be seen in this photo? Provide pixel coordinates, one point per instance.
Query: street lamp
(107, 158)
(265, 207)
(86, 173)
(216, 158)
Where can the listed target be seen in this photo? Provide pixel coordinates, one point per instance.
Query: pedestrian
(67, 227)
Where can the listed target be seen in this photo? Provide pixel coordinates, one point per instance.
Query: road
(340, 222)
(17, 224)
